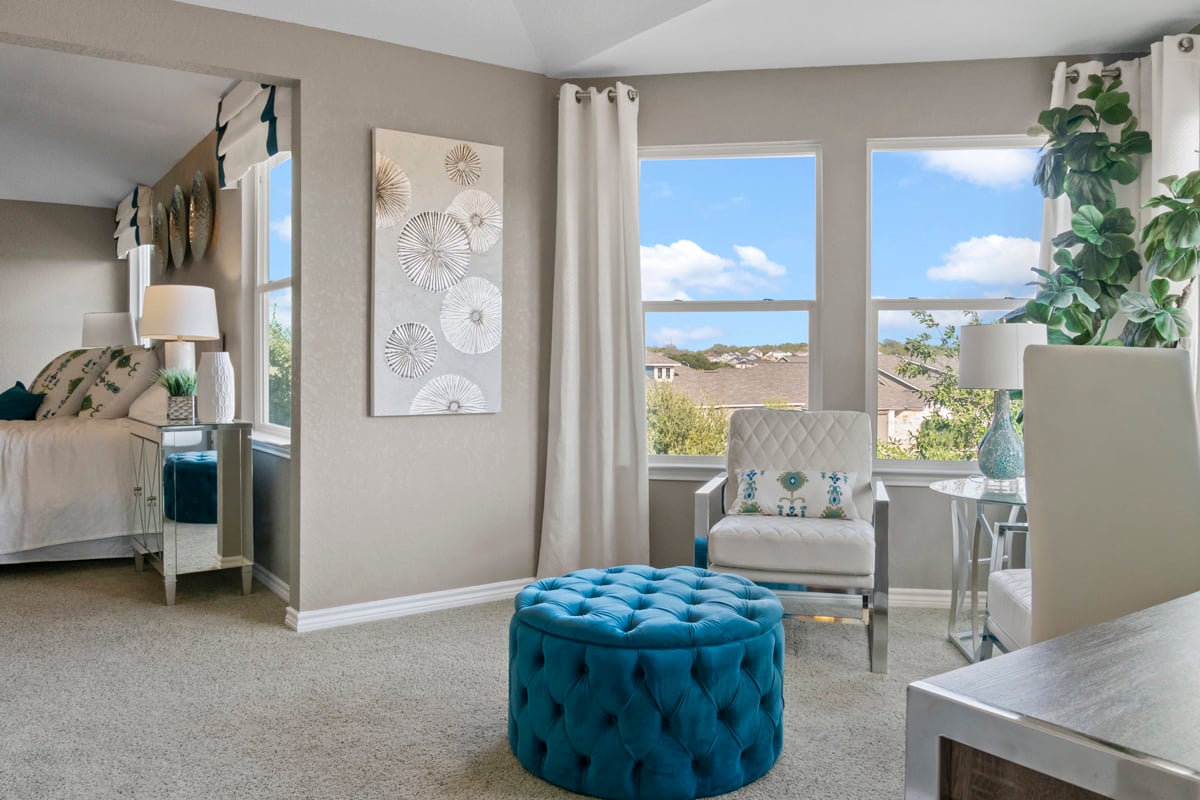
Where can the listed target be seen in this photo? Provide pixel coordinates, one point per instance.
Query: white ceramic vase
(214, 388)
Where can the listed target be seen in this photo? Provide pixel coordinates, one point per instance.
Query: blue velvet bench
(190, 487)
(636, 683)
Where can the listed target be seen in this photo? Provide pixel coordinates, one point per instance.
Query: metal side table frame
(968, 546)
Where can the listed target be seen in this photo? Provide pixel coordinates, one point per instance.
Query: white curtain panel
(1164, 94)
(597, 491)
(254, 122)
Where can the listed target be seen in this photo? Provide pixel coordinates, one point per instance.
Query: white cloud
(898, 324)
(1003, 168)
(681, 337)
(683, 269)
(992, 260)
(283, 227)
(756, 259)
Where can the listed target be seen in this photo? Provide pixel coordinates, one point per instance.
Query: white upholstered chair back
(1112, 455)
(766, 438)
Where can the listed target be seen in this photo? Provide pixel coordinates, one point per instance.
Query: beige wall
(57, 262)
(394, 506)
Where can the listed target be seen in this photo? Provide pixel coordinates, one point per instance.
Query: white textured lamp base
(179, 355)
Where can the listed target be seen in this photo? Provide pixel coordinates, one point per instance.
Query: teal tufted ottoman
(639, 683)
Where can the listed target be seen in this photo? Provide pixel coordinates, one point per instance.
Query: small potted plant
(181, 388)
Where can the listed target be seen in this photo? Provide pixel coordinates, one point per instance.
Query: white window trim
(679, 467)
(139, 278)
(257, 287)
(905, 471)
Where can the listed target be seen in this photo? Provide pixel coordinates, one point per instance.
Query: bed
(65, 489)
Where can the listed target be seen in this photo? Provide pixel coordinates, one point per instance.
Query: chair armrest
(709, 506)
(882, 538)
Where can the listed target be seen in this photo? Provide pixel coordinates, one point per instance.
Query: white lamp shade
(174, 311)
(990, 356)
(104, 328)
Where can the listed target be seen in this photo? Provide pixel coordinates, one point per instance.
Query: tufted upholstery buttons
(702, 652)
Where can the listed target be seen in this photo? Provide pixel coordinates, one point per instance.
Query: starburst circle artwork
(480, 217)
(434, 251)
(410, 349)
(463, 165)
(471, 316)
(393, 192)
(449, 394)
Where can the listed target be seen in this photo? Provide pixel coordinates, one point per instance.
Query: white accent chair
(842, 556)
(1112, 460)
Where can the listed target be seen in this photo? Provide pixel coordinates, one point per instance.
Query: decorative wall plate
(162, 245)
(410, 349)
(463, 165)
(200, 214)
(471, 316)
(434, 251)
(393, 192)
(480, 217)
(449, 394)
(177, 226)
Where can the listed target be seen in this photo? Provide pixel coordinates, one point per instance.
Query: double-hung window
(272, 297)
(729, 288)
(955, 225)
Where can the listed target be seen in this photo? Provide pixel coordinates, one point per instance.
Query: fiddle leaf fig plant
(1097, 260)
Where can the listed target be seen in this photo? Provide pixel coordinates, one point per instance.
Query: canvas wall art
(437, 289)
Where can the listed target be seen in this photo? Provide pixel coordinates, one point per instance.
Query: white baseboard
(919, 598)
(304, 621)
(272, 582)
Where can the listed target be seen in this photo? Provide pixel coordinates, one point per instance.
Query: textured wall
(383, 507)
(57, 262)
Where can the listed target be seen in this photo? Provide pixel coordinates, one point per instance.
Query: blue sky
(945, 223)
(279, 244)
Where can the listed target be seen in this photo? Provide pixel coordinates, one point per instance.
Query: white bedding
(64, 480)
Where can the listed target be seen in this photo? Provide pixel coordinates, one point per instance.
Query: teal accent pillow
(19, 403)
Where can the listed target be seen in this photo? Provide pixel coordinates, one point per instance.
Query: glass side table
(967, 551)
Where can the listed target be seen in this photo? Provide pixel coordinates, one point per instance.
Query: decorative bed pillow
(150, 406)
(67, 378)
(19, 403)
(796, 493)
(131, 372)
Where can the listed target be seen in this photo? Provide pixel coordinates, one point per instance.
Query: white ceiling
(84, 131)
(594, 38)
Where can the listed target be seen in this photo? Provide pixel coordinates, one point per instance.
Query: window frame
(139, 259)
(256, 201)
(684, 467)
(875, 305)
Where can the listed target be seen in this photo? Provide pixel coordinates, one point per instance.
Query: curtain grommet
(1186, 44)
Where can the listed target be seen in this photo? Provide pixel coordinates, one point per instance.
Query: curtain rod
(1107, 72)
(610, 93)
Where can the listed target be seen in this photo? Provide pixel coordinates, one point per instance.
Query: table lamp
(180, 315)
(106, 328)
(990, 357)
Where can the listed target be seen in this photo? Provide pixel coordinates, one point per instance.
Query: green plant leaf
(1113, 107)
(1093, 264)
(1178, 265)
(1138, 306)
(1094, 87)
(1122, 170)
(1037, 312)
(1090, 188)
(1086, 224)
(1133, 142)
(1168, 326)
(1054, 121)
(1051, 173)
(1054, 336)
(1159, 289)
(1066, 239)
(1063, 258)
(1183, 229)
(1116, 245)
(1118, 220)
(1087, 152)
(1128, 266)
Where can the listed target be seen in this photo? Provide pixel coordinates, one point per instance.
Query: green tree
(279, 371)
(960, 417)
(678, 425)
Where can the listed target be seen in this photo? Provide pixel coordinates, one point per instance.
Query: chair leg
(986, 641)
(877, 633)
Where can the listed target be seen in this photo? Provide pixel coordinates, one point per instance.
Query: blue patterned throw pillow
(19, 403)
(822, 494)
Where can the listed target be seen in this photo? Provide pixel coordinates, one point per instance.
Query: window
(139, 278)
(955, 226)
(272, 204)
(729, 287)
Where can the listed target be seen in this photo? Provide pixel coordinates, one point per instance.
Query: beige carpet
(107, 693)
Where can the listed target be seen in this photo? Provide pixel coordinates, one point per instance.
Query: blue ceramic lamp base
(1002, 453)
